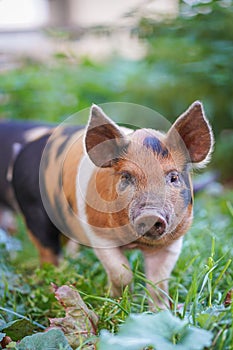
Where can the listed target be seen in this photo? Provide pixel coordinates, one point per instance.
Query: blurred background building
(39, 28)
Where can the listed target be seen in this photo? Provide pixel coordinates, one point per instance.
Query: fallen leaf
(19, 328)
(4, 340)
(79, 322)
(229, 298)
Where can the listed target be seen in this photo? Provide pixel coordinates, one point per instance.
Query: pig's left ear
(104, 141)
(196, 134)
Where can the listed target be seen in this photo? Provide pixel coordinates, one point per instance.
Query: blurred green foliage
(195, 54)
(188, 57)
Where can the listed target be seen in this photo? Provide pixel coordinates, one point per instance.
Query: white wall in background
(23, 14)
(97, 12)
(19, 18)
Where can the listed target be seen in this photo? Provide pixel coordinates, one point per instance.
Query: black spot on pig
(26, 187)
(60, 215)
(67, 132)
(62, 146)
(71, 129)
(151, 142)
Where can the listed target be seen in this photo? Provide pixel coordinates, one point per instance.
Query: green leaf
(53, 339)
(2, 335)
(19, 328)
(2, 324)
(205, 319)
(161, 331)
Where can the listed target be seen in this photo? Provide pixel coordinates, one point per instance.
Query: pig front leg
(158, 267)
(117, 268)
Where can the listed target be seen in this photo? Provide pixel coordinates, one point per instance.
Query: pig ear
(196, 134)
(104, 141)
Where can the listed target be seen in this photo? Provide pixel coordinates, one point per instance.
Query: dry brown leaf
(5, 341)
(229, 298)
(79, 322)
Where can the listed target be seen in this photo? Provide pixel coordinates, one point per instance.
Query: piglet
(114, 189)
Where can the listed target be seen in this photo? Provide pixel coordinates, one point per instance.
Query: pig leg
(117, 268)
(42, 232)
(46, 255)
(158, 267)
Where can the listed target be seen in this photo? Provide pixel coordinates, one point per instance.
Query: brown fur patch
(104, 182)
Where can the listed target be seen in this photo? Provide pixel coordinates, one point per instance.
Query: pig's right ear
(193, 131)
(104, 141)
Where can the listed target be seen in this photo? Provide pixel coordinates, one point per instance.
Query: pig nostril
(160, 226)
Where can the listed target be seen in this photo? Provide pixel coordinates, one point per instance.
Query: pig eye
(125, 180)
(174, 178)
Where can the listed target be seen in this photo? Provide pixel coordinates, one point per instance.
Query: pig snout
(150, 224)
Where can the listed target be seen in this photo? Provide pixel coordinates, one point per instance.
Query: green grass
(198, 286)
